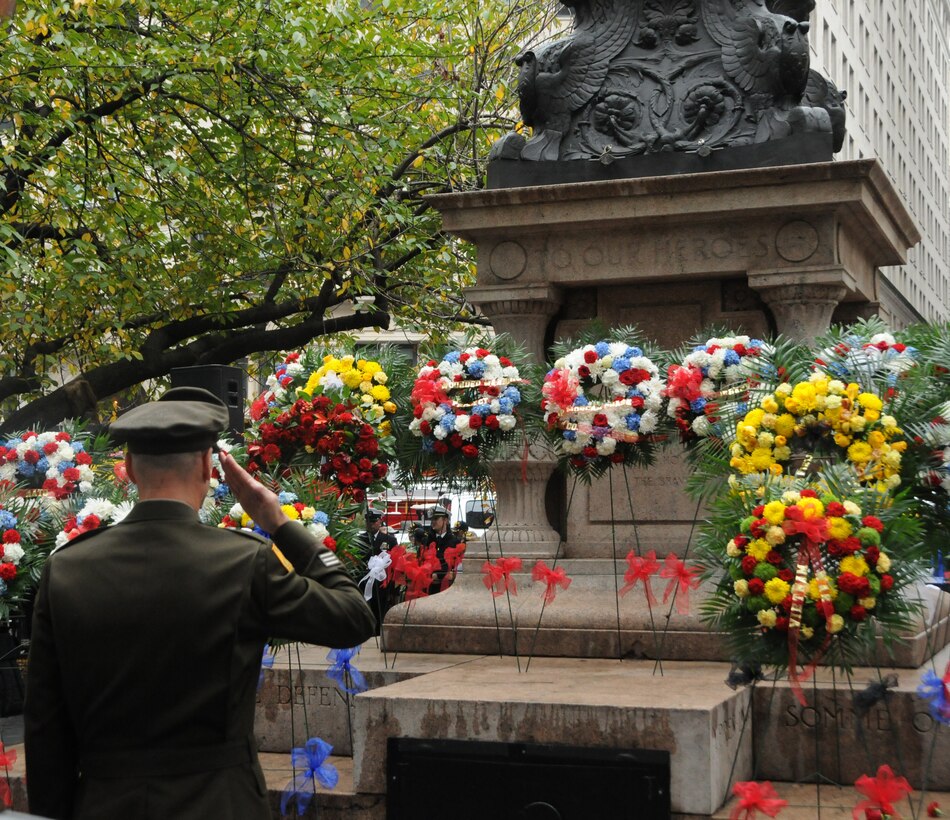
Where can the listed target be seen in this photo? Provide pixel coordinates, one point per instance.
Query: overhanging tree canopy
(190, 182)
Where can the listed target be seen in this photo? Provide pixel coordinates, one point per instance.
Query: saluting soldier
(148, 635)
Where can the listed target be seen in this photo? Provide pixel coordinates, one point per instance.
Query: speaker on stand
(226, 382)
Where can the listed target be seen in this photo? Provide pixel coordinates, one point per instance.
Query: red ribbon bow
(683, 579)
(396, 571)
(640, 569)
(881, 792)
(552, 578)
(756, 797)
(497, 576)
(418, 578)
(453, 556)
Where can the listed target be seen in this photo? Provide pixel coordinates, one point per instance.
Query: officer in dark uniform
(148, 635)
(375, 540)
(375, 537)
(440, 534)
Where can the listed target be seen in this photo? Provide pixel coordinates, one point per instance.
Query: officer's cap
(373, 515)
(438, 510)
(183, 420)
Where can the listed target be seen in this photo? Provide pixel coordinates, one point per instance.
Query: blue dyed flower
(42, 465)
(24, 468)
(286, 497)
(699, 349)
(63, 466)
(755, 343)
(342, 671)
(620, 364)
(505, 405)
(7, 520)
(581, 401)
(936, 691)
(221, 491)
(452, 357)
(633, 421)
(513, 393)
(570, 435)
(481, 410)
(321, 517)
(602, 349)
(698, 405)
(732, 357)
(428, 445)
(476, 369)
(3, 587)
(267, 662)
(742, 408)
(447, 422)
(78, 446)
(633, 352)
(312, 760)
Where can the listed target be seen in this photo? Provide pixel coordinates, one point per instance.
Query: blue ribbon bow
(346, 676)
(312, 760)
(267, 662)
(936, 691)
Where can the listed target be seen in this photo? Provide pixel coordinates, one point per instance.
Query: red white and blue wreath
(604, 400)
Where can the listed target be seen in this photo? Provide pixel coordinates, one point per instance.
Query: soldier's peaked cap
(183, 420)
(438, 510)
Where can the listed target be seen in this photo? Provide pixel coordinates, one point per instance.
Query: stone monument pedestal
(765, 250)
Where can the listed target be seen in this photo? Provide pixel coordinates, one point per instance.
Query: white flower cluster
(103, 510)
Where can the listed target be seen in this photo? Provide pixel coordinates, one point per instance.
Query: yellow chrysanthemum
(761, 458)
(371, 368)
(785, 425)
(290, 511)
(766, 617)
(855, 564)
(380, 392)
(814, 589)
(774, 512)
(769, 405)
(839, 527)
(775, 536)
(776, 590)
(859, 452)
(876, 439)
(842, 440)
(758, 548)
(869, 401)
(351, 378)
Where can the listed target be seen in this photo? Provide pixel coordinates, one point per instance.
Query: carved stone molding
(522, 312)
(803, 311)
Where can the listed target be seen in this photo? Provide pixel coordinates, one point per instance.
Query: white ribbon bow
(377, 566)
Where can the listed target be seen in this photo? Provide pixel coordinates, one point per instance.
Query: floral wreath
(53, 462)
(823, 416)
(809, 565)
(603, 400)
(694, 385)
(850, 357)
(465, 403)
(361, 383)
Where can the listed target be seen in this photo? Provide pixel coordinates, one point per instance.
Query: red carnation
(11, 537)
(330, 543)
(757, 511)
(749, 564)
(470, 451)
(456, 440)
(31, 456)
(425, 428)
(440, 448)
(91, 522)
(464, 357)
(616, 457)
(504, 361)
(481, 352)
(858, 612)
(270, 452)
(63, 436)
(636, 403)
(873, 522)
(590, 356)
(417, 411)
(583, 371)
(83, 459)
(774, 557)
(629, 377)
(475, 421)
(786, 575)
(872, 554)
(808, 494)
(50, 447)
(600, 420)
(781, 623)
(756, 586)
(491, 422)
(887, 582)
(7, 571)
(835, 509)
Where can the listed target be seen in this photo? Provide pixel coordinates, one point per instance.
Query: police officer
(441, 535)
(148, 635)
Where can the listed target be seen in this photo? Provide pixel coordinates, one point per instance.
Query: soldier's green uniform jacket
(146, 650)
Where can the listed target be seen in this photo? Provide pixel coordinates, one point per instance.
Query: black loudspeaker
(228, 383)
(474, 780)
